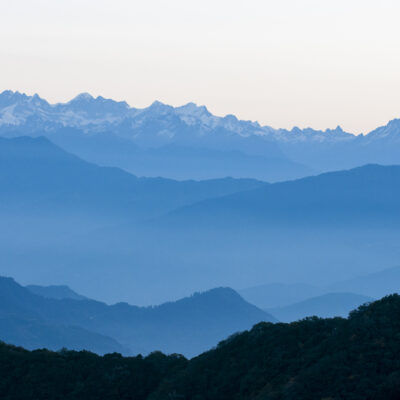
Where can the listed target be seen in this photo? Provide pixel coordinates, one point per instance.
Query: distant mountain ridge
(376, 284)
(90, 113)
(49, 197)
(158, 140)
(35, 172)
(65, 220)
(274, 295)
(189, 326)
(363, 195)
(288, 301)
(154, 141)
(85, 111)
(328, 305)
(23, 322)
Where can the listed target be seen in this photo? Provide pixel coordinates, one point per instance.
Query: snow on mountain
(17, 109)
(189, 142)
(86, 112)
(297, 135)
(389, 132)
(182, 132)
(192, 114)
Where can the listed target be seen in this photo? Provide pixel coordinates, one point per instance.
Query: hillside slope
(310, 359)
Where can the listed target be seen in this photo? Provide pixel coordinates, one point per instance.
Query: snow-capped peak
(8, 97)
(193, 109)
(390, 131)
(192, 114)
(87, 112)
(82, 97)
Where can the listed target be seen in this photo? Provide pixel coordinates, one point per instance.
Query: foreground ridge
(337, 358)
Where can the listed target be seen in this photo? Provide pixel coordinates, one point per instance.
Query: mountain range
(364, 195)
(55, 316)
(376, 284)
(151, 240)
(188, 326)
(182, 143)
(291, 302)
(37, 174)
(106, 198)
(188, 142)
(277, 295)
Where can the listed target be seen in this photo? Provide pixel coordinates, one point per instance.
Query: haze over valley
(179, 231)
(199, 200)
(148, 240)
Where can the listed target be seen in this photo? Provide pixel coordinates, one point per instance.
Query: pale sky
(284, 63)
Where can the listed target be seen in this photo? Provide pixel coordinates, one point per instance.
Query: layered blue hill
(325, 306)
(299, 300)
(24, 322)
(274, 295)
(364, 195)
(376, 284)
(148, 240)
(188, 326)
(37, 175)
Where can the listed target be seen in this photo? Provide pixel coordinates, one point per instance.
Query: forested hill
(355, 358)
